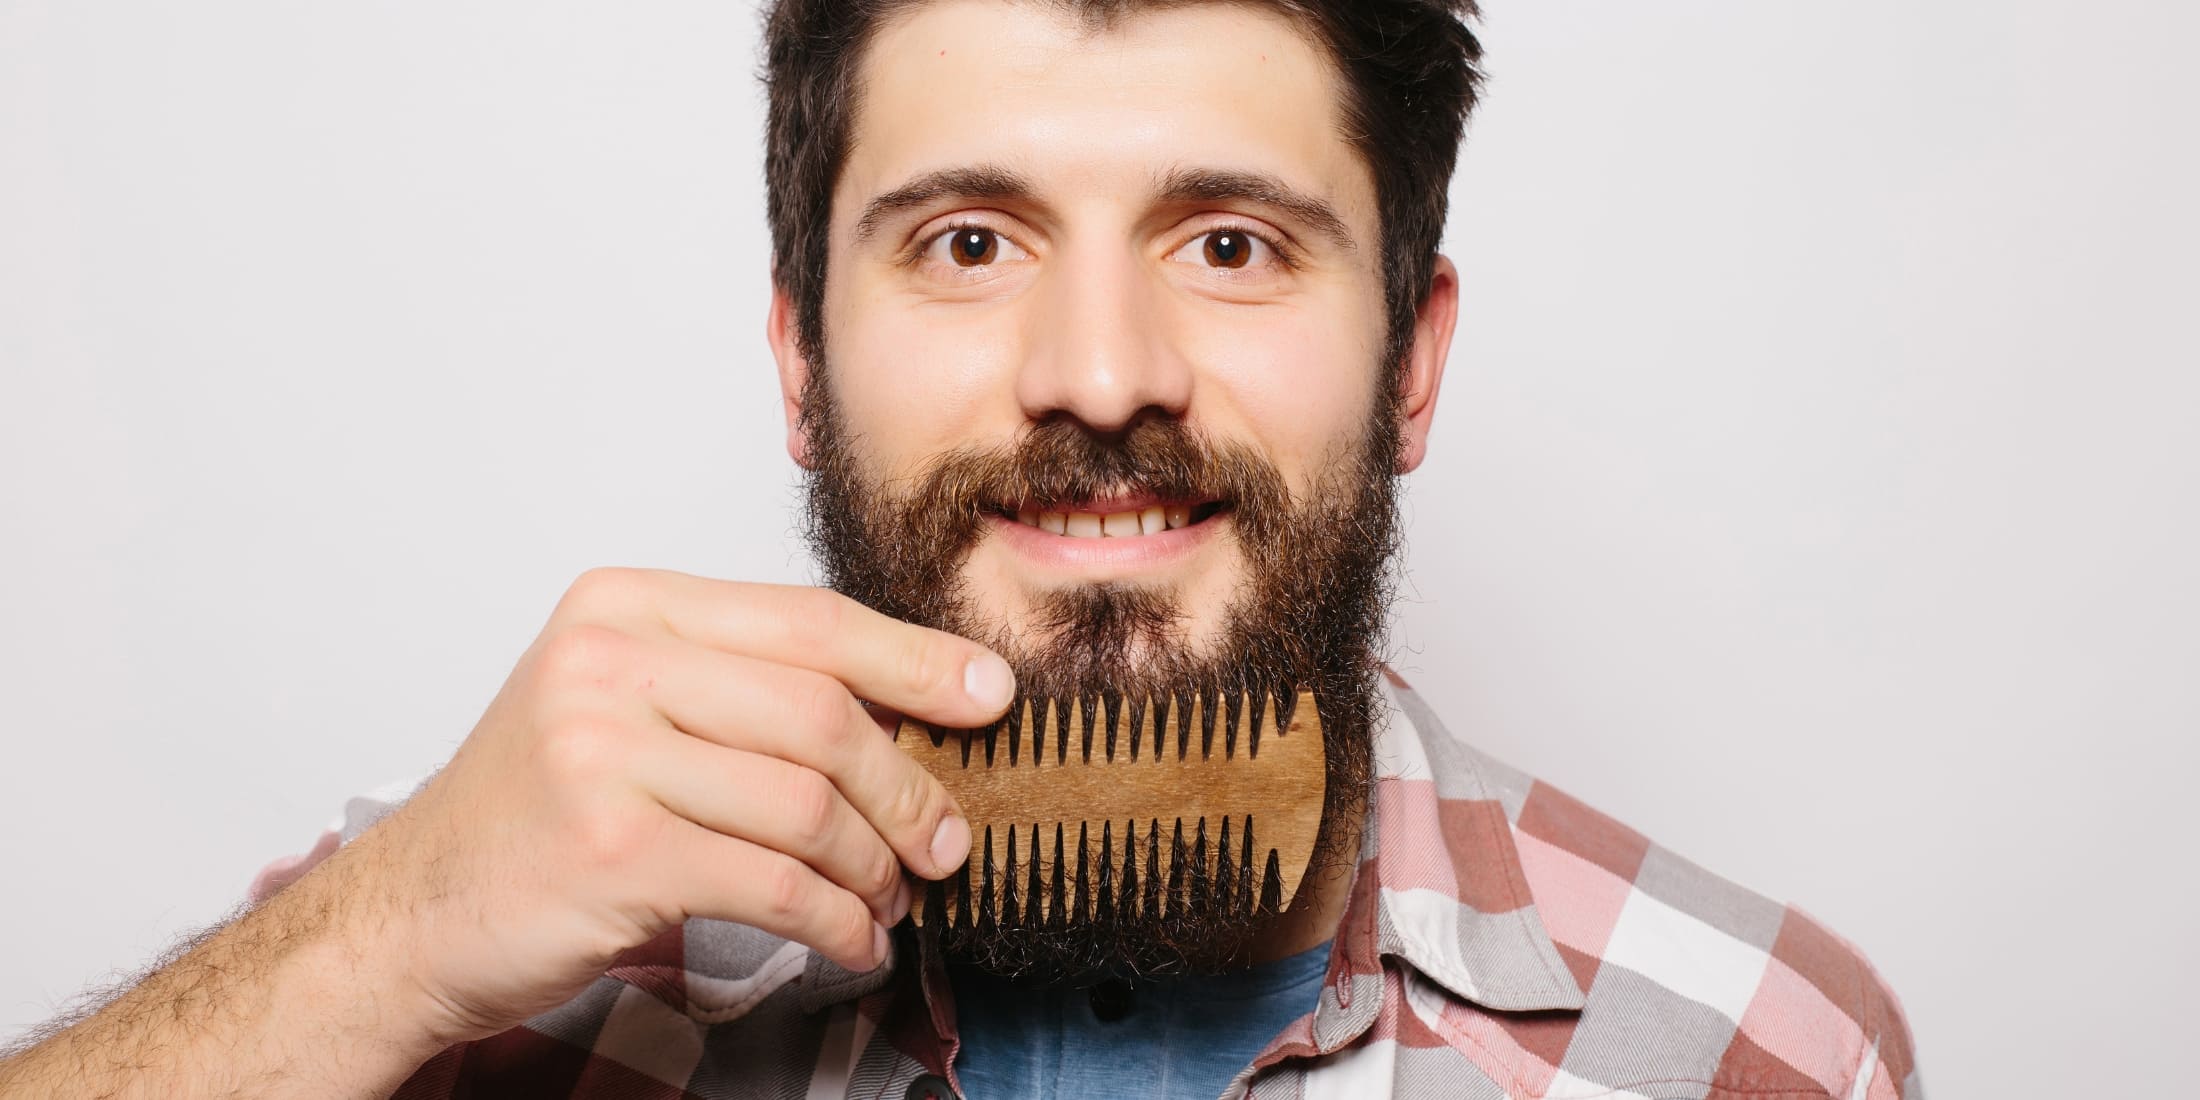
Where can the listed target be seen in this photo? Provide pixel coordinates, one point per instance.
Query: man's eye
(1229, 248)
(972, 246)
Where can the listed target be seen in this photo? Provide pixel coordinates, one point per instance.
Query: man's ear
(794, 371)
(1424, 365)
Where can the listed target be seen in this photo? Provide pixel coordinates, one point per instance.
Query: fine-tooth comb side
(1101, 806)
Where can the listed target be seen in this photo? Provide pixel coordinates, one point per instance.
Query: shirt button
(1112, 1000)
(931, 1086)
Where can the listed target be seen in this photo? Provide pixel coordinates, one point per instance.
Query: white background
(1813, 485)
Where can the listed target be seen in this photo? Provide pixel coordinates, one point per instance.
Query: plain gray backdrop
(1812, 486)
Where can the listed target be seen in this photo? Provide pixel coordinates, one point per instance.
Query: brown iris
(975, 247)
(1228, 248)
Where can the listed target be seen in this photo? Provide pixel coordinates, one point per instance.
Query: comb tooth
(966, 747)
(1127, 905)
(1112, 706)
(938, 734)
(1160, 724)
(1038, 728)
(963, 899)
(1206, 720)
(1150, 900)
(1010, 911)
(986, 920)
(1034, 884)
(1086, 704)
(1271, 886)
(1233, 705)
(1225, 875)
(1200, 896)
(1035, 889)
(1057, 909)
(1061, 731)
(1245, 867)
(1256, 704)
(1286, 702)
(1015, 729)
(1137, 722)
(1176, 870)
(992, 734)
(935, 905)
(1183, 724)
(1104, 897)
(1081, 900)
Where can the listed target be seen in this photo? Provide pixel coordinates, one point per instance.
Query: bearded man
(1104, 329)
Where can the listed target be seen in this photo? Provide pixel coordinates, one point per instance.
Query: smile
(1116, 537)
(1124, 517)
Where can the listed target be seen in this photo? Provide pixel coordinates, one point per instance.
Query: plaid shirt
(1502, 940)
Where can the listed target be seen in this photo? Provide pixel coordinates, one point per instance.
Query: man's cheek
(918, 392)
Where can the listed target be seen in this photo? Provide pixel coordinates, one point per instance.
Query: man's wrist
(346, 1017)
(346, 1010)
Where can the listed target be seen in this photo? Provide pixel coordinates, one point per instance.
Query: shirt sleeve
(1889, 1068)
(359, 814)
(288, 869)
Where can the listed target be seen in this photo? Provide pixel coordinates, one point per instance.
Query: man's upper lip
(1108, 506)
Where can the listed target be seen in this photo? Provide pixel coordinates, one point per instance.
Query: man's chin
(1126, 626)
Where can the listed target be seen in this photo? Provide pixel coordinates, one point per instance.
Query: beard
(1310, 612)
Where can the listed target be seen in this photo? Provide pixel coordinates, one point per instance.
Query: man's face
(1091, 298)
(1096, 280)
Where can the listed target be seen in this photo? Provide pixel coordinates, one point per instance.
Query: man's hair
(1408, 67)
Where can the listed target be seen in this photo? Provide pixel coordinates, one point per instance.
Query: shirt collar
(1439, 888)
(1441, 872)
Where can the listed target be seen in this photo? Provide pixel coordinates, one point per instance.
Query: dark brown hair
(1408, 68)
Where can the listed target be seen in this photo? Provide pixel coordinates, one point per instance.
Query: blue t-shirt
(1167, 1039)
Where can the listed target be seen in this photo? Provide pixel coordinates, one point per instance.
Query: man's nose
(1100, 347)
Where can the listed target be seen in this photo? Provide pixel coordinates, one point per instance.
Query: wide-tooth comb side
(1108, 835)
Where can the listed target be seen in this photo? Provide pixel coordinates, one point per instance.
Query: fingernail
(988, 681)
(878, 944)
(951, 844)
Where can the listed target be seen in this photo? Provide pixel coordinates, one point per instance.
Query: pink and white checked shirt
(1502, 940)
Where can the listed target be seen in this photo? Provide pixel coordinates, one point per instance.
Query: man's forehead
(1083, 111)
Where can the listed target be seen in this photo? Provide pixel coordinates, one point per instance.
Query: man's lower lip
(1066, 551)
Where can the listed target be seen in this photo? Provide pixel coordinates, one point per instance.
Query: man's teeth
(1115, 525)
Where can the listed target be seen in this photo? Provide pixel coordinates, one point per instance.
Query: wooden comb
(1100, 807)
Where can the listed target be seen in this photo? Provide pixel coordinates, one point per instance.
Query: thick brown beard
(1312, 613)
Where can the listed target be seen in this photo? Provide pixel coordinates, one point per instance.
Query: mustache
(1059, 460)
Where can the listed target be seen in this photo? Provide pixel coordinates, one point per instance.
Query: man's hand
(673, 747)
(669, 747)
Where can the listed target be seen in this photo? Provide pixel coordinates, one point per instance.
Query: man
(1103, 331)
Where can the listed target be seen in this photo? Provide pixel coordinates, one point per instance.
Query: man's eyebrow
(1212, 184)
(991, 183)
(983, 181)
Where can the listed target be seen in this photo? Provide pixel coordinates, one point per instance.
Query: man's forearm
(277, 1004)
